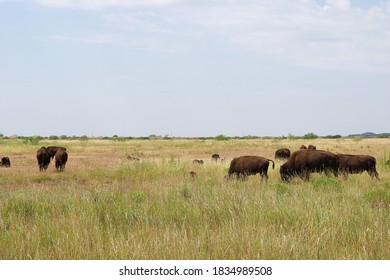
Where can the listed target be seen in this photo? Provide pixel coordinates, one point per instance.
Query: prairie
(108, 206)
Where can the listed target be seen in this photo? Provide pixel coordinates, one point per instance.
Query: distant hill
(371, 134)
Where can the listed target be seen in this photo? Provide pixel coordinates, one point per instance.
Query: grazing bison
(282, 154)
(199, 161)
(52, 150)
(249, 165)
(215, 157)
(355, 164)
(43, 158)
(303, 162)
(61, 157)
(311, 147)
(5, 162)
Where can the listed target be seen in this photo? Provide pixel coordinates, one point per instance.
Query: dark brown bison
(282, 154)
(215, 157)
(61, 157)
(52, 150)
(43, 158)
(5, 162)
(355, 164)
(249, 165)
(311, 147)
(303, 162)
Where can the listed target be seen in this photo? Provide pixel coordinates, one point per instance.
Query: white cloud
(101, 4)
(334, 36)
(338, 4)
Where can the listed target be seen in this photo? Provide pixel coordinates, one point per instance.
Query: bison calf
(249, 165)
(355, 164)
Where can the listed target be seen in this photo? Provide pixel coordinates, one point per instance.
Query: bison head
(285, 173)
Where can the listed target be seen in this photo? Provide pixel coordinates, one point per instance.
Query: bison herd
(300, 163)
(303, 162)
(45, 154)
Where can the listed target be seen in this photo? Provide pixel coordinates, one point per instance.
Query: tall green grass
(107, 207)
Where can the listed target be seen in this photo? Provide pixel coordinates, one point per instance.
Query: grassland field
(107, 206)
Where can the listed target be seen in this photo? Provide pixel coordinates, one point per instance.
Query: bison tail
(273, 163)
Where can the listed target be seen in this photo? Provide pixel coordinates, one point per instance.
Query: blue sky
(194, 68)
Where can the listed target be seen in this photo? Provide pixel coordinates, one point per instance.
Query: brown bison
(61, 157)
(310, 147)
(198, 161)
(249, 165)
(5, 162)
(215, 157)
(52, 150)
(282, 154)
(43, 158)
(355, 164)
(303, 162)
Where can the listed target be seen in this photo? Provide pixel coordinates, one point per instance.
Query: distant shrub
(292, 137)
(119, 139)
(337, 136)
(221, 137)
(33, 140)
(249, 137)
(310, 135)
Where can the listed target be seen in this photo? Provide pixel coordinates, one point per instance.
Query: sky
(187, 68)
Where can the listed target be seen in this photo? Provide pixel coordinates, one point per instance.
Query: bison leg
(304, 175)
(373, 173)
(264, 176)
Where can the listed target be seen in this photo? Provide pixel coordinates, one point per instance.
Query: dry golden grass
(106, 206)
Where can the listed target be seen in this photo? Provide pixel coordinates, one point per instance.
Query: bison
(215, 157)
(249, 165)
(61, 157)
(52, 150)
(310, 147)
(198, 161)
(193, 174)
(43, 158)
(303, 162)
(5, 162)
(282, 154)
(355, 164)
